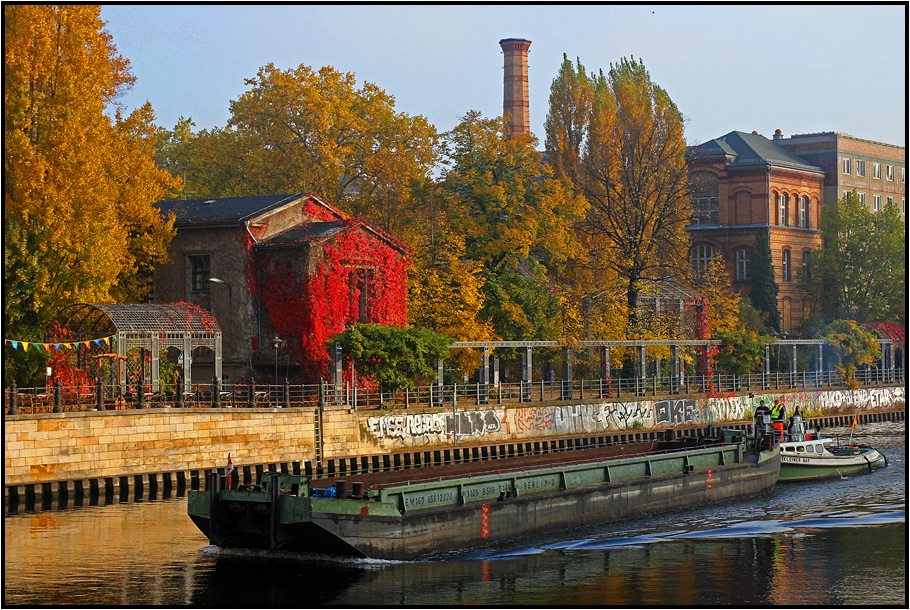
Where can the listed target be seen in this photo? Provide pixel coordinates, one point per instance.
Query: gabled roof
(750, 150)
(222, 210)
(305, 233)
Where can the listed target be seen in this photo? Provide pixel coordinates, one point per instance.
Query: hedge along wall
(92, 444)
(383, 432)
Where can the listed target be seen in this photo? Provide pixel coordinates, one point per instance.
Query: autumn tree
(505, 200)
(860, 271)
(627, 156)
(79, 176)
(301, 130)
(713, 283)
(512, 213)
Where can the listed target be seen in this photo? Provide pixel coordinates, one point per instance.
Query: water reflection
(839, 542)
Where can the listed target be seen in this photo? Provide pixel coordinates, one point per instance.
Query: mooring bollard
(216, 394)
(251, 392)
(286, 397)
(178, 394)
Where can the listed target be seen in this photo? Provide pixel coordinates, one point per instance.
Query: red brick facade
(748, 207)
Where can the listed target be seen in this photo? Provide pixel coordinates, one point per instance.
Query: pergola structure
(151, 327)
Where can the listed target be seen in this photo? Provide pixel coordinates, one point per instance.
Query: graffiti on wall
(675, 412)
(420, 425)
(581, 419)
(529, 421)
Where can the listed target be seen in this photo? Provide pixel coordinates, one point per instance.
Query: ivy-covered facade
(286, 267)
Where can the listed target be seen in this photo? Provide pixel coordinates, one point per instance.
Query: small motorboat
(804, 455)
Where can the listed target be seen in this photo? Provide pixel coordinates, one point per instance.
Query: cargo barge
(406, 514)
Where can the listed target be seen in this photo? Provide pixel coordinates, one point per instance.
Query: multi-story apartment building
(747, 187)
(877, 171)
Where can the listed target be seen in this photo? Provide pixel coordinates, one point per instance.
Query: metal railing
(101, 397)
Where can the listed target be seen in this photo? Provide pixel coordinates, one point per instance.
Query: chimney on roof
(778, 135)
(515, 84)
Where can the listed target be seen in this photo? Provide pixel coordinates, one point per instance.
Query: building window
(889, 173)
(806, 273)
(784, 206)
(877, 171)
(804, 211)
(704, 210)
(743, 260)
(785, 266)
(860, 167)
(847, 164)
(200, 266)
(904, 206)
(861, 197)
(903, 175)
(877, 203)
(890, 201)
(360, 286)
(700, 257)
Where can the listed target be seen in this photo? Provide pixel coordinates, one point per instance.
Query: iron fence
(103, 397)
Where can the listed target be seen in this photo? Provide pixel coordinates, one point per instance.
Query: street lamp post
(276, 343)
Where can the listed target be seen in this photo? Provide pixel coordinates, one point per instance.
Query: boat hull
(805, 468)
(406, 524)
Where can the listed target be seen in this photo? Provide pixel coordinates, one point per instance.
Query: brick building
(746, 187)
(285, 266)
(877, 171)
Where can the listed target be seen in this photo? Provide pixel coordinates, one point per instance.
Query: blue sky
(801, 69)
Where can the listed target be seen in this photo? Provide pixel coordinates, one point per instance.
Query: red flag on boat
(230, 469)
(855, 419)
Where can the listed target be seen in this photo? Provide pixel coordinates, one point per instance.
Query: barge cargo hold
(405, 514)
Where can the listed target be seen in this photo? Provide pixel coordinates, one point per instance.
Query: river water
(835, 542)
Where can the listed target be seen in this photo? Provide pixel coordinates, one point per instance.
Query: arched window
(700, 256)
(743, 261)
(704, 198)
(785, 266)
(804, 212)
(784, 209)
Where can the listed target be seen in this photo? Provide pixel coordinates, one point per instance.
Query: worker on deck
(778, 415)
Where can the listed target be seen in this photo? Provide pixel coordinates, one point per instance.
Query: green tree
(79, 184)
(851, 346)
(630, 166)
(520, 303)
(396, 358)
(741, 352)
(860, 271)
(764, 287)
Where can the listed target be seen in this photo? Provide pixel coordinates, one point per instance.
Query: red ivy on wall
(308, 308)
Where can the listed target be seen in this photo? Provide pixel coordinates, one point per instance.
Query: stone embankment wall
(91, 445)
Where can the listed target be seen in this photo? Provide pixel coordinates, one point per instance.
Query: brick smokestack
(515, 83)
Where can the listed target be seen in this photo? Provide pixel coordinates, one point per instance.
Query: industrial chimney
(515, 83)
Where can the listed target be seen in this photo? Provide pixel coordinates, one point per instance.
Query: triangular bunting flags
(25, 346)
(15, 344)
(107, 340)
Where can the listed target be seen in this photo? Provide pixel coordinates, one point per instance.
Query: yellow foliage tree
(713, 283)
(79, 185)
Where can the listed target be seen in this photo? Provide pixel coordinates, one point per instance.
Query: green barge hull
(406, 519)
